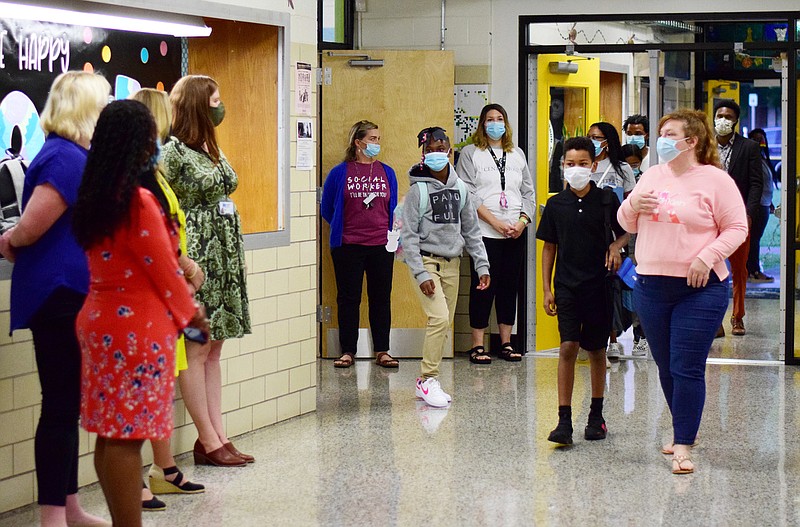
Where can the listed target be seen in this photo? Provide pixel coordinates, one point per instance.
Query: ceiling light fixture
(107, 17)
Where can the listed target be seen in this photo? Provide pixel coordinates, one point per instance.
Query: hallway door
(568, 103)
(412, 90)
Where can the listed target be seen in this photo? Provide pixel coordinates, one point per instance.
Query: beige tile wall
(268, 376)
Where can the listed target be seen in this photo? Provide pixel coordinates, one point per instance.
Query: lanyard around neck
(501, 167)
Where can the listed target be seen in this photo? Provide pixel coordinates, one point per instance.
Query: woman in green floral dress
(203, 181)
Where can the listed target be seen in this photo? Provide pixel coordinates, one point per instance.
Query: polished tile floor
(373, 455)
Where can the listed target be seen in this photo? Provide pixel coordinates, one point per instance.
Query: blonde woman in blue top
(49, 283)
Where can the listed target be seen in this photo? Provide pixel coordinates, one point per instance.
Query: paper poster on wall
(305, 145)
(302, 88)
(469, 100)
(33, 54)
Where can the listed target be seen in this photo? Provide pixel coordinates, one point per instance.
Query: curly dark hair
(120, 160)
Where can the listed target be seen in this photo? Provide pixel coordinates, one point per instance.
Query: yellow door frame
(587, 78)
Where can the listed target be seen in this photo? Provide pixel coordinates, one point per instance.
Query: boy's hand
(427, 287)
(645, 202)
(613, 259)
(550, 304)
(483, 282)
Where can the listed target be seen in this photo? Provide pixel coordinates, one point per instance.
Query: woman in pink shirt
(689, 217)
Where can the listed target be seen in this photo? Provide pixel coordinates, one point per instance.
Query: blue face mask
(598, 147)
(372, 149)
(495, 130)
(436, 160)
(637, 140)
(636, 172)
(667, 149)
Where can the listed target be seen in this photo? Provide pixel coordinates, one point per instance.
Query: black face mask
(217, 114)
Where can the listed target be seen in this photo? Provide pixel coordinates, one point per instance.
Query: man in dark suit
(740, 158)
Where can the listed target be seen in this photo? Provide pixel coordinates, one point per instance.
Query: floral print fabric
(138, 301)
(214, 239)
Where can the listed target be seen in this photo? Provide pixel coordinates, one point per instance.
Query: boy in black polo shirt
(573, 226)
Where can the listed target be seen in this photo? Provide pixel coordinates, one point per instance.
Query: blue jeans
(680, 323)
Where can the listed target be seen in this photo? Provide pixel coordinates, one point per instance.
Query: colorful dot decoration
(88, 68)
(145, 55)
(106, 54)
(160, 86)
(163, 48)
(88, 36)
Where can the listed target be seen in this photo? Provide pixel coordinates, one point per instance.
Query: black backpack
(12, 179)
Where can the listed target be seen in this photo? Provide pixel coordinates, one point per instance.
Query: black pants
(756, 232)
(505, 263)
(58, 359)
(350, 262)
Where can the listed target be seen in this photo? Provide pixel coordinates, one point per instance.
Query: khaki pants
(440, 308)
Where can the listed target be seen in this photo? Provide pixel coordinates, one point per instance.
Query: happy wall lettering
(38, 50)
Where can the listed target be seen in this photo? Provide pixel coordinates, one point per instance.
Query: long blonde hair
(75, 101)
(695, 124)
(357, 131)
(157, 102)
(479, 137)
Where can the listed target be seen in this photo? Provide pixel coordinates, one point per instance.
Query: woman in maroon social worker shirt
(358, 199)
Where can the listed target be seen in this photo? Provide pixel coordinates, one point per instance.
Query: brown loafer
(220, 457)
(737, 327)
(232, 449)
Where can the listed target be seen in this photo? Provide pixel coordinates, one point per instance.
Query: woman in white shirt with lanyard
(497, 175)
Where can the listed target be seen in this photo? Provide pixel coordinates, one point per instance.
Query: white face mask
(723, 126)
(577, 177)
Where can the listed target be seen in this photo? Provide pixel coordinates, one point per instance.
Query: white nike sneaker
(583, 355)
(641, 348)
(614, 351)
(430, 391)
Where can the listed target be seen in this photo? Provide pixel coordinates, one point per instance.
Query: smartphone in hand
(195, 335)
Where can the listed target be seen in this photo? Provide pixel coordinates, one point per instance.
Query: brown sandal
(384, 360)
(345, 361)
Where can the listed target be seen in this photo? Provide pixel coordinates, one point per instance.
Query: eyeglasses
(597, 137)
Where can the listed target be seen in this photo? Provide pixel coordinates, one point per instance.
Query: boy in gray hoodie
(434, 236)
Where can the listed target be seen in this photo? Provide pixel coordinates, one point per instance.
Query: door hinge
(319, 195)
(323, 314)
(328, 76)
(319, 76)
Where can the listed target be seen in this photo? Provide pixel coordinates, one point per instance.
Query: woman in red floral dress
(138, 301)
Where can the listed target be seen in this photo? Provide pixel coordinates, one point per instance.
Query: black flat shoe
(562, 435)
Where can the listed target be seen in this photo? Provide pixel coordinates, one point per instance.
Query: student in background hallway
(681, 295)
(500, 183)
(614, 172)
(740, 158)
(637, 133)
(439, 221)
(573, 229)
(754, 273)
(358, 200)
(633, 156)
(49, 284)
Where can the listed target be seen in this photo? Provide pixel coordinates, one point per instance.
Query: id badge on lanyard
(226, 207)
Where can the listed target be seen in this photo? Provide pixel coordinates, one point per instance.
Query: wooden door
(412, 90)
